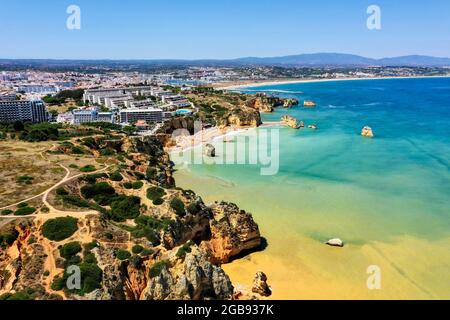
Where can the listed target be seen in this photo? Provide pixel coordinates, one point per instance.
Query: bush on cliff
(193, 208)
(125, 207)
(137, 249)
(154, 193)
(157, 268)
(116, 176)
(70, 249)
(123, 254)
(178, 206)
(59, 228)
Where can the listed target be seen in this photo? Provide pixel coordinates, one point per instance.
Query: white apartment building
(147, 115)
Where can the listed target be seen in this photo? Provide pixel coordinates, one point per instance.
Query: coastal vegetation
(59, 228)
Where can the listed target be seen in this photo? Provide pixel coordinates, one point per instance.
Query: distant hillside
(305, 60)
(341, 59)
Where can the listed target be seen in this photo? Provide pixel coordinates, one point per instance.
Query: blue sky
(147, 29)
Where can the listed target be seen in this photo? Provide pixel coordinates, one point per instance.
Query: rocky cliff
(172, 249)
(264, 103)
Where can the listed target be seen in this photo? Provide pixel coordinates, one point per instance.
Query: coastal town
(147, 99)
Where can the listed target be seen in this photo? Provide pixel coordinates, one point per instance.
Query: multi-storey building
(23, 110)
(147, 115)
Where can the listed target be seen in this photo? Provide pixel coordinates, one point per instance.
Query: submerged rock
(336, 242)
(260, 285)
(367, 132)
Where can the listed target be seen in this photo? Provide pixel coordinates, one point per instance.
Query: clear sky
(191, 29)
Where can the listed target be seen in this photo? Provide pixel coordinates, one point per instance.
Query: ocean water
(387, 198)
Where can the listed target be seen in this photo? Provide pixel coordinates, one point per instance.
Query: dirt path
(45, 194)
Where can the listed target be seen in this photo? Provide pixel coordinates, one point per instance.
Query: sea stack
(367, 132)
(260, 285)
(290, 122)
(309, 104)
(210, 151)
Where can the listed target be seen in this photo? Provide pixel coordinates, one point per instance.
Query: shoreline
(186, 143)
(282, 82)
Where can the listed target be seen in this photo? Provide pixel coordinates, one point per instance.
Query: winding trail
(53, 211)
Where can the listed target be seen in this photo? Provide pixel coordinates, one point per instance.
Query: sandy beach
(247, 84)
(187, 142)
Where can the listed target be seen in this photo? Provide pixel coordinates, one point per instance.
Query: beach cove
(386, 197)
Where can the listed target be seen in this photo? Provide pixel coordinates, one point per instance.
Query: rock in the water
(232, 232)
(209, 150)
(367, 132)
(309, 104)
(291, 122)
(260, 285)
(336, 242)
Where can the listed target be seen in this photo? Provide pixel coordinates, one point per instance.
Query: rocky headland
(134, 234)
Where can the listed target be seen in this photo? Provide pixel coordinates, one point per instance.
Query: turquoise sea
(387, 198)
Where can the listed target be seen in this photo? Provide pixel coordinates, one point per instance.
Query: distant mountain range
(341, 59)
(300, 60)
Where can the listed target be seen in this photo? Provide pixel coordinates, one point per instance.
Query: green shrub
(61, 191)
(22, 205)
(24, 179)
(127, 185)
(109, 236)
(70, 249)
(58, 283)
(45, 210)
(178, 206)
(102, 188)
(139, 175)
(7, 237)
(151, 173)
(116, 176)
(181, 253)
(59, 228)
(6, 212)
(88, 168)
(16, 296)
(147, 252)
(24, 211)
(193, 208)
(92, 178)
(154, 193)
(46, 273)
(123, 254)
(125, 207)
(137, 185)
(158, 202)
(31, 240)
(137, 249)
(90, 258)
(157, 268)
(75, 201)
(107, 152)
(91, 276)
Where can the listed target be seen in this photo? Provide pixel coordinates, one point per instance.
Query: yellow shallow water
(299, 266)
